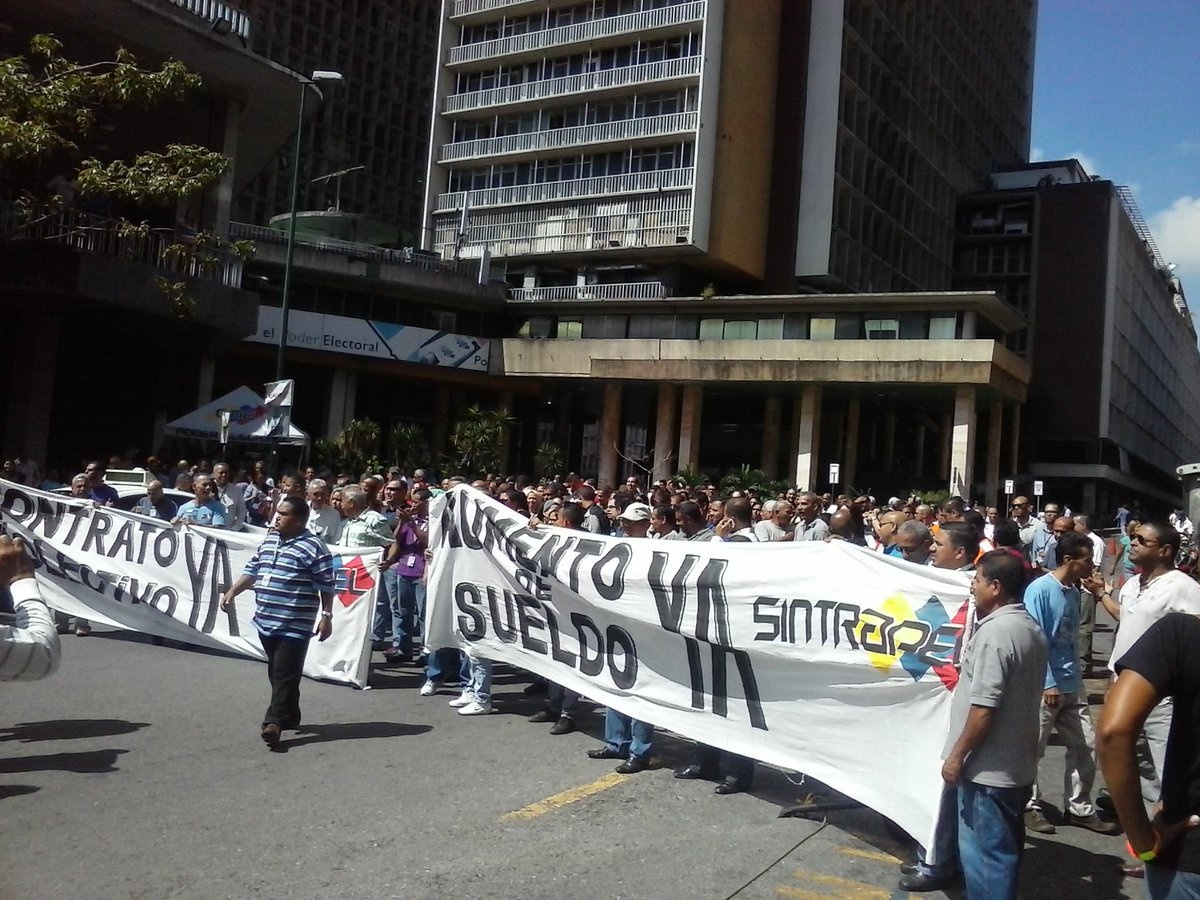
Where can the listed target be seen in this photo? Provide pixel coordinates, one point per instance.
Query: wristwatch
(326, 614)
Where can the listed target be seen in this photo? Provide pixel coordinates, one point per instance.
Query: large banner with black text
(823, 658)
(129, 571)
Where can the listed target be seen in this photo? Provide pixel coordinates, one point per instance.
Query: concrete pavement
(137, 772)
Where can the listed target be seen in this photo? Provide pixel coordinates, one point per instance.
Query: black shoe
(920, 883)
(695, 770)
(543, 716)
(536, 687)
(633, 765)
(563, 726)
(270, 734)
(606, 752)
(730, 786)
(909, 868)
(1104, 802)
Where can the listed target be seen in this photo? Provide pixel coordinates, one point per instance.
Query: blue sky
(1117, 85)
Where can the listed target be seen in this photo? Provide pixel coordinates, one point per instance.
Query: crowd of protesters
(1036, 581)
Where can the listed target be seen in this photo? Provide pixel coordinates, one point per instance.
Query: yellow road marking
(869, 854)
(566, 798)
(846, 889)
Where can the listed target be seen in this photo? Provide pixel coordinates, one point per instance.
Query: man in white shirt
(323, 520)
(232, 497)
(29, 647)
(1160, 589)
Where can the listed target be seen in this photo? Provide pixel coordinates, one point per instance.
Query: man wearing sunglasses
(1159, 589)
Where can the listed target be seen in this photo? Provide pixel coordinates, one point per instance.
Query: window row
(599, 60)
(557, 18)
(639, 106)
(620, 162)
(789, 326)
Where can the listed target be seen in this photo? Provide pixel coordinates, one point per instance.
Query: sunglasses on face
(1146, 542)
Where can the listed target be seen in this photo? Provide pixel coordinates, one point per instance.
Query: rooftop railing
(114, 237)
(633, 290)
(214, 11)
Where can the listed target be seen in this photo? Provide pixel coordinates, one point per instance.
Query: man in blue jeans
(991, 752)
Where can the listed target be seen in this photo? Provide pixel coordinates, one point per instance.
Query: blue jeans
(945, 839)
(442, 664)
(480, 683)
(1167, 884)
(991, 834)
(382, 626)
(626, 735)
(405, 594)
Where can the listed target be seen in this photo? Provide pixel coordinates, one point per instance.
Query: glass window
(770, 329)
(822, 328)
(741, 331)
(942, 328)
(710, 329)
(569, 330)
(882, 329)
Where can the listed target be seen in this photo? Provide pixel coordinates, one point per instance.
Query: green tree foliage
(548, 461)
(50, 108)
(478, 439)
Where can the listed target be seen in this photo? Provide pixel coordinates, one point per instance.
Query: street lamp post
(317, 76)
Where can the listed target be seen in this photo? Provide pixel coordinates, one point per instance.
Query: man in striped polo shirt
(292, 574)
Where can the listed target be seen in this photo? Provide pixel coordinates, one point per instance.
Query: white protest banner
(824, 658)
(132, 572)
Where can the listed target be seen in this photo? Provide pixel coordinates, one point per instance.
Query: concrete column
(666, 432)
(610, 435)
(995, 436)
(689, 426)
(439, 435)
(962, 447)
(31, 391)
(506, 407)
(850, 457)
(208, 372)
(233, 115)
(1014, 438)
(889, 439)
(343, 387)
(945, 437)
(919, 449)
(968, 325)
(807, 413)
(772, 425)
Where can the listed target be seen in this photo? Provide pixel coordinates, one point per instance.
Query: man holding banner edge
(293, 576)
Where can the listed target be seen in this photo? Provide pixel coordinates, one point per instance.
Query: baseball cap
(636, 512)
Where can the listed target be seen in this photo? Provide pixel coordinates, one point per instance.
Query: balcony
(110, 237)
(533, 92)
(551, 191)
(640, 23)
(466, 8)
(214, 11)
(634, 290)
(621, 131)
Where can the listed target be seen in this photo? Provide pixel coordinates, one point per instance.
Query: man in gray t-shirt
(991, 751)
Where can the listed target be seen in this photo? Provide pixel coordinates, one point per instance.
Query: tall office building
(375, 122)
(629, 148)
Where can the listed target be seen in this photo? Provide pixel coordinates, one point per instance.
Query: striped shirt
(289, 577)
(29, 647)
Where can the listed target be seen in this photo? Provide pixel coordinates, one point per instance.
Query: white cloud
(1090, 165)
(1036, 154)
(1176, 230)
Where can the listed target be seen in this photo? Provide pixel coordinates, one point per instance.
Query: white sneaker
(464, 699)
(475, 709)
(428, 689)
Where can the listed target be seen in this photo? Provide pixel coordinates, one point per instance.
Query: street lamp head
(324, 75)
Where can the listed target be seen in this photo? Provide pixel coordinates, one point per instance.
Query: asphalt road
(137, 772)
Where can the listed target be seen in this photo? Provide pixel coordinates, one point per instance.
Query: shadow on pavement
(350, 731)
(1053, 868)
(68, 729)
(16, 790)
(92, 761)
